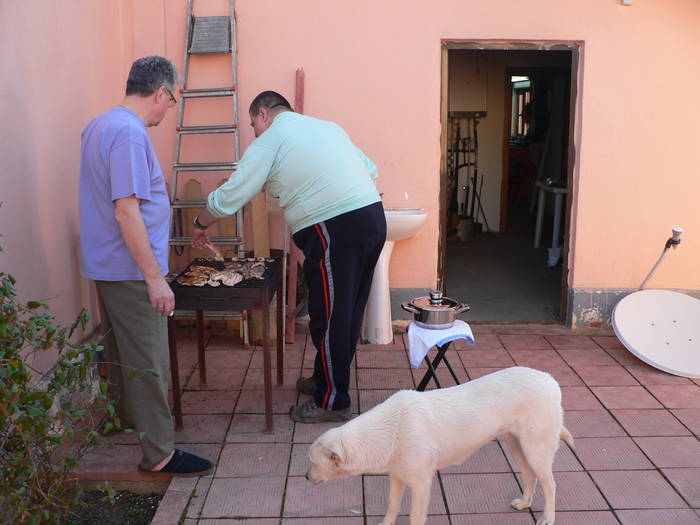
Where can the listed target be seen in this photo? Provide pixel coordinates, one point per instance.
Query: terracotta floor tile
(250, 428)
(244, 497)
(381, 359)
(485, 358)
(341, 497)
(489, 458)
(371, 398)
(608, 342)
(625, 397)
(571, 342)
(648, 375)
(381, 377)
(203, 428)
(258, 460)
(376, 490)
(598, 517)
(323, 521)
(479, 493)
(209, 401)
(236, 358)
(677, 396)
(614, 375)
(236, 521)
(433, 519)
(658, 516)
(650, 422)
(563, 374)
(537, 358)
(564, 460)
(637, 489)
(307, 433)
(578, 398)
(292, 358)
(482, 342)
(575, 491)
(221, 340)
(690, 417)
(624, 357)
(199, 496)
(255, 380)
(218, 379)
(671, 451)
(589, 357)
(591, 423)
(253, 401)
(525, 342)
(611, 453)
(476, 372)
(299, 462)
(521, 518)
(687, 482)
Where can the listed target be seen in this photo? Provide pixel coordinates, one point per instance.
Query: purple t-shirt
(117, 161)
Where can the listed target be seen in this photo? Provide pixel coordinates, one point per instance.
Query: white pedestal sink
(401, 223)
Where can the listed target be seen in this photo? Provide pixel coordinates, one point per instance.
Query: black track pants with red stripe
(340, 256)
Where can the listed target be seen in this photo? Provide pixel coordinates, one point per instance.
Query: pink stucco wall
(374, 67)
(61, 67)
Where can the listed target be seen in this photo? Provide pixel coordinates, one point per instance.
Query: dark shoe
(306, 385)
(310, 412)
(185, 465)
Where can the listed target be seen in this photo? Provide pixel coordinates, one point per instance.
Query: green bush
(46, 425)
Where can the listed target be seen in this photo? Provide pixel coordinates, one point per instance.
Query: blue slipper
(184, 464)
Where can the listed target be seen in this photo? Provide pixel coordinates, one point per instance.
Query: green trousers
(136, 350)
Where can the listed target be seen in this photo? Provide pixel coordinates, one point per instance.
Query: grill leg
(200, 348)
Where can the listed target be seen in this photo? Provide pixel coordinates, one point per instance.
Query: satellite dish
(661, 327)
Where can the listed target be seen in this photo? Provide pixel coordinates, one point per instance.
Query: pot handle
(409, 308)
(463, 308)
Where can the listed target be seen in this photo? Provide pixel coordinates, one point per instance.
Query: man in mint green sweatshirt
(326, 187)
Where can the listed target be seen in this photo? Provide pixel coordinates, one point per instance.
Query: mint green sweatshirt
(311, 165)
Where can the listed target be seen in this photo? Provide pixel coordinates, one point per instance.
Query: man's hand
(161, 296)
(200, 239)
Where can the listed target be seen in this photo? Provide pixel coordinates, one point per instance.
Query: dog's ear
(336, 453)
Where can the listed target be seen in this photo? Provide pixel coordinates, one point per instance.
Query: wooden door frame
(576, 48)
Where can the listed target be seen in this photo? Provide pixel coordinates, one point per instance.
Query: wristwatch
(198, 224)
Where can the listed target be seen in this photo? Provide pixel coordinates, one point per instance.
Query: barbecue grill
(249, 294)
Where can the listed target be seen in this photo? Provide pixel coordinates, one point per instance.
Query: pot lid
(435, 302)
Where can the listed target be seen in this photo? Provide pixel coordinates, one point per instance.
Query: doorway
(507, 170)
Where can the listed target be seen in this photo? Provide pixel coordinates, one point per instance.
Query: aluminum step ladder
(205, 35)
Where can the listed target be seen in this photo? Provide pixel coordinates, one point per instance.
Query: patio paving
(636, 460)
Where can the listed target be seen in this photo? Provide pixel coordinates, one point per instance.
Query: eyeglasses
(172, 98)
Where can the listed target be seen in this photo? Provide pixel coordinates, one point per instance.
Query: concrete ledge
(593, 307)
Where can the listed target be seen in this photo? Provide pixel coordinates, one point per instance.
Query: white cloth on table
(420, 339)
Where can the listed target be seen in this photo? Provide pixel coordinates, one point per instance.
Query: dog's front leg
(396, 488)
(420, 497)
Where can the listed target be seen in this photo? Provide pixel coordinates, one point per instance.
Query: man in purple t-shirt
(124, 226)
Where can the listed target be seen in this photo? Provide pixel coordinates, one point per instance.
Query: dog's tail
(566, 436)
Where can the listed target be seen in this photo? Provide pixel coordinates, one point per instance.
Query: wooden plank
(260, 227)
(193, 192)
(227, 226)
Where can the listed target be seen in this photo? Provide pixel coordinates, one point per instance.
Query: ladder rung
(188, 204)
(200, 130)
(212, 92)
(233, 240)
(205, 166)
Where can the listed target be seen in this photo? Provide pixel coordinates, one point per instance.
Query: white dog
(413, 434)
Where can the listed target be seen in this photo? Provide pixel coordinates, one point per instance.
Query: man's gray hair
(149, 73)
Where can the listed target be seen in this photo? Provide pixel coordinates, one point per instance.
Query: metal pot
(434, 311)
